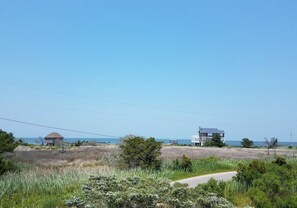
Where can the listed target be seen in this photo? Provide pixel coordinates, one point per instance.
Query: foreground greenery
(110, 191)
(39, 187)
(138, 178)
(36, 187)
(263, 184)
(270, 183)
(200, 167)
(267, 184)
(258, 183)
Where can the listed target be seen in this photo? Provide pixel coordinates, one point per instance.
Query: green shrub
(176, 164)
(212, 201)
(213, 186)
(7, 142)
(132, 192)
(280, 161)
(6, 166)
(246, 143)
(78, 143)
(268, 184)
(247, 173)
(216, 141)
(259, 198)
(108, 191)
(140, 152)
(289, 201)
(207, 144)
(75, 202)
(185, 164)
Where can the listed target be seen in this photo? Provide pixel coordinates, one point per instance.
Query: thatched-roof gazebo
(54, 139)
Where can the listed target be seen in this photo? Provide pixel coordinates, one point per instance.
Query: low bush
(130, 192)
(140, 152)
(280, 161)
(248, 172)
(266, 184)
(6, 166)
(214, 186)
(78, 143)
(185, 164)
(259, 198)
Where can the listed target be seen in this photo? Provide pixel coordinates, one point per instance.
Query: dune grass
(202, 167)
(44, 187)
(39, 187)
(50, 187)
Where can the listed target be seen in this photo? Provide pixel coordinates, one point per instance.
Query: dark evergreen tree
(7, 142)
(140, 152)
(217, 141)
(246, 143)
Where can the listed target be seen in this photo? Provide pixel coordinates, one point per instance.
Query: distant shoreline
(165, 141)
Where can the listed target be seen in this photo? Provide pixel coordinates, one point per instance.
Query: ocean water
(165, 141)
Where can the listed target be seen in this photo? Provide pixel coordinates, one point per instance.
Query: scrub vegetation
(260, 184)
(109, 176)
(40, 186)
(149, 192)
(7, 144)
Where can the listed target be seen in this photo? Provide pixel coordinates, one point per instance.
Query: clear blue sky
(152, 68)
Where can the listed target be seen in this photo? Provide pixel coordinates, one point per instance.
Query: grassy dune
(51, 186)
(49, 177)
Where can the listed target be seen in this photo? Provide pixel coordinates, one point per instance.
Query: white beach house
(206, 134)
